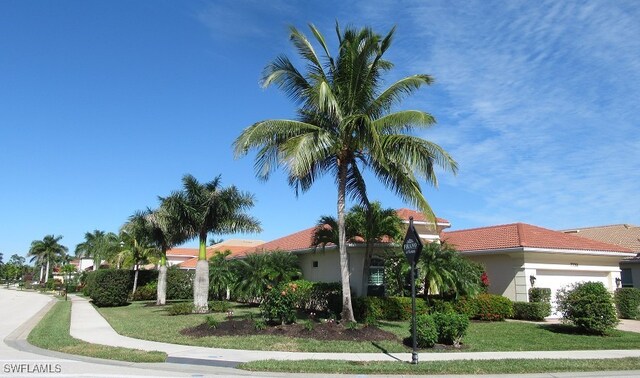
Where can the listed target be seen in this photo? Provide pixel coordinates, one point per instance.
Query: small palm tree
(47, 250)
(99, 245)
(135, 237)
(221, 275)
(164, 234)
(201, 209)
(345, 124)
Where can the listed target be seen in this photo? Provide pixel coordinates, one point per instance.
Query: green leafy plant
(628, 302)
(531, 310)
(540, 294)
(351, 326)
(109, 287)
(146, 293)
(451, 327)
(213, 321)
(489, 307)
(184, 308)
(279, 304)
(589, 306)
(426, 332)
(219, 306)
(259, 324)
(309, 325)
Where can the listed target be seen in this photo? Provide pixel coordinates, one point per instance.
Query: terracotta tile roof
(237, 248)
(236, 251)
(417, 216)
(523, 235)
(297, 241)
(182, 252)
(625, 235)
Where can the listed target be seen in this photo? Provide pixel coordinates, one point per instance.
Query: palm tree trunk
(161, 297)
(347, 309)
(46, 277)
(135, 279)
(41, 273)
(201, 281)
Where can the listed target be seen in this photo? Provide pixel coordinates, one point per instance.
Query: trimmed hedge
(319, 296)
(147, 292)
(489, 307)
(109, 287)
(184, 308)
(370, 310)
(540, 294)
(628, 302)
(531, 310)
(179, 284)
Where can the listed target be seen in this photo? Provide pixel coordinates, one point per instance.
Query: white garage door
(556, 279)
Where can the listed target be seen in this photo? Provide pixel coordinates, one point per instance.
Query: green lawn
(53, 333)
(153, 323)
(444, 367)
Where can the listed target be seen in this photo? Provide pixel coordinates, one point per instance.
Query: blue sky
(106, 105)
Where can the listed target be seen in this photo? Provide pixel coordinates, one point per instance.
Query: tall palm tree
(164, 234)
(47, 250)
(99, 245)
(345, 124)
(208, 208)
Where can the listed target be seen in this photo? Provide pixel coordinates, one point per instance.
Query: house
(187, 258)
(624, 235)
(519, 256)
(322, 263)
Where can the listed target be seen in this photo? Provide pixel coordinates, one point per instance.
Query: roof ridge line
(520, 231)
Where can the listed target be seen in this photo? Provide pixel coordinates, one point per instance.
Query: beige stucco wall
(328, 269)
(505, 272)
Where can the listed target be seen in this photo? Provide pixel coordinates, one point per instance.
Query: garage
(557, 279)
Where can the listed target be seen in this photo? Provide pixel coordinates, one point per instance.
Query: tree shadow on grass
(568, 329)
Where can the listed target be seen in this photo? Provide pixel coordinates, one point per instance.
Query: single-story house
(322, 263)
(519, 256)
(624, 235)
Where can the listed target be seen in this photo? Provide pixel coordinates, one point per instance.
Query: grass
(153, 323)
(511, 366)
(53, 333)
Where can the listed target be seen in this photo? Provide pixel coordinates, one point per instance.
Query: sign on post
(412, 245)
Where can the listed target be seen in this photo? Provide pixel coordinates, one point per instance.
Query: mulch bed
(320, 331)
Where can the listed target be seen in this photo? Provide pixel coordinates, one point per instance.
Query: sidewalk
(88, 325)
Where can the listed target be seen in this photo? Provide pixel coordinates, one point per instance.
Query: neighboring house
(322, 264)
(86, 264)
(187, 258)
(518, 256)
(625, 235)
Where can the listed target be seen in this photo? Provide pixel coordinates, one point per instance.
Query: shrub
(219, 306)
(147, 292)
(184, 308)
(179, 283)
(485, 307)
(589, 306)
(540, 294)
(426, 333)
(451, 327)
(628, 302)
(440, 305)
(279, 303)
(370, 310)
(110, 287)
(531, 310)
(259, 324)
(212, 321)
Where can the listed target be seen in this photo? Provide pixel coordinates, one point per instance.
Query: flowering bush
(484, 281)
(279, 304)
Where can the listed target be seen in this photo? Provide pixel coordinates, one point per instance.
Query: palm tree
(369, 224)
(99, 245)
(165, 235)
(47, 250)
(221, 275)
(344, 125)
(446, 271)
(201, 209)
(135, 236)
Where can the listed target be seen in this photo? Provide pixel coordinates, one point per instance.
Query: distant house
(187, 258)
(322, 264)
(624, 235)
(519, 256)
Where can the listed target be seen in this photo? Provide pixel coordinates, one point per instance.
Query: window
(376, 272)
(315, 264)
(627, 279)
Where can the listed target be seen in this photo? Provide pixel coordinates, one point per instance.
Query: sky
(104, 106)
